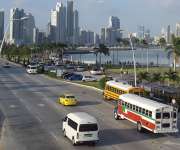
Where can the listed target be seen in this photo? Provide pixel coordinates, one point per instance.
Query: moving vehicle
(96, 72)
(6, 65)
(75, 77)
(114, 89)
(80, 127)
(147, 114)
(32, 69)
(80, 68)
(67, 100)
(89, 78)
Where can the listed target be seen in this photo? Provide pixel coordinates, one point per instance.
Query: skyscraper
(70, 21)
(168, 34)
(1, 25)
(76, 28)
(141, 31)
(178, 29)
(114, 22)
(58, 24)
(103, 35)
(16, 26)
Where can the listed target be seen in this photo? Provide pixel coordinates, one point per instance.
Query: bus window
(137, 108)
(158, 115)
(166, 115)
(150, 113)
(147, 112)
(174, 115)
(140, 109)
(143, 111)
(134, 107)
(130, 106)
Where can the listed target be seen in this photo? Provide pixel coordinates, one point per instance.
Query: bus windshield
(88, 127)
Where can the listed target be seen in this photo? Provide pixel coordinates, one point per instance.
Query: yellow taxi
(67, 100)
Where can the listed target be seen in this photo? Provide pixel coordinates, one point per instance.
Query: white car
(31, 69)
(96, 72)
(89, 78)
(80, 127)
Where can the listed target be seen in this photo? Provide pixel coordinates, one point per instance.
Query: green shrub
(102, 82)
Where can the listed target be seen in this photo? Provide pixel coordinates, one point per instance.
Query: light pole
(134, 61)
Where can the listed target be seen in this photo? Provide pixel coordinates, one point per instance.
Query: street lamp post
(134, 61)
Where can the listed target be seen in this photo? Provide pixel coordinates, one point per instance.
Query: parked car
(96, 72)
(80, 68)
(89, 78)
(76, 77)
(67, 100)
(80, 127)
(70, 68)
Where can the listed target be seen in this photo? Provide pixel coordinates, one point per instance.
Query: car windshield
(88, 127)
(70, 97)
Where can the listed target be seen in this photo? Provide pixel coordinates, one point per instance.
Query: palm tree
(171, 76)
(143, 76)
(144, 44)
(174, 50)
(162, 42)
(102, 49)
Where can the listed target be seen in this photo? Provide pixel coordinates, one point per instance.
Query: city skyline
(150, 15)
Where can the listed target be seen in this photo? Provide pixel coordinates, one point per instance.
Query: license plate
(88, 135)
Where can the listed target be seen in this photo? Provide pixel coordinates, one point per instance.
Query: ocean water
(155, 56)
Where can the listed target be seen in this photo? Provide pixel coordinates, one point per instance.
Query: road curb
(76, 84)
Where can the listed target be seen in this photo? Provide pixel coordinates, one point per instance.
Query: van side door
(71, 129)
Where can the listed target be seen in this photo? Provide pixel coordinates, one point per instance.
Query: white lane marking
(13, 106)
(41, 105)
(39, 119)
(53, 135)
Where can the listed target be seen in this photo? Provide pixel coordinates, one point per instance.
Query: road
(33, 118)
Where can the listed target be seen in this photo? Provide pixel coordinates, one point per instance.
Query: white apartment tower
(178, 29)
(76, 28)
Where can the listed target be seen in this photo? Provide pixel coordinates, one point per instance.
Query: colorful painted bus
(147, 114)
(114, 89)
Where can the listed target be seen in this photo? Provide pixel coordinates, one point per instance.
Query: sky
(94, 14)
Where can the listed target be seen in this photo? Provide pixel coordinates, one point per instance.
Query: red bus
(147, 114)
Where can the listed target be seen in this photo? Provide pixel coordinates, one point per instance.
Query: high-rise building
(21, 27)
(28, 24)
(16, 26)
(58, 24)
(141, 31)
(96, 39)
(70, 21)
(35, 35)
(114, 22)
(1, 25)
(168, 34)
(87, 38)
(103, 35)
(76, 28)
(178, 29)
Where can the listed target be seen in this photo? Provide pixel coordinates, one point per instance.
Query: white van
(80, 127)
(31, 69)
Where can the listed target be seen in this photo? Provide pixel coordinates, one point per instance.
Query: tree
(143, 76)
(102, 49)
(171, 76)
(144, 44)
(162, 42)
(174, 50)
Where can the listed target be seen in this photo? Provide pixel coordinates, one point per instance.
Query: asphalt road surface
(32, 117)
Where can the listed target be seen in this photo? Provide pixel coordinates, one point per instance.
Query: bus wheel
(139, 127)
(116, 116)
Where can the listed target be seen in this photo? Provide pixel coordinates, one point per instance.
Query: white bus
(80, 127)
(148, 114)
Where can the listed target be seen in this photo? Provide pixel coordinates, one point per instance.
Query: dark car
(76, 77)
(6, 65)
(67, 75)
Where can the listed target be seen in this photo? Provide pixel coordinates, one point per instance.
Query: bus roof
(142, 102)
(82, 118)
(119, 85)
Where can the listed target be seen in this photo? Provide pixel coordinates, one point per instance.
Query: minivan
(80, 127)
(31, 69)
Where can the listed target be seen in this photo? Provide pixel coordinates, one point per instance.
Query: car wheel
(116, 117)
(73, 142)
(64, 133)
(139, 127)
